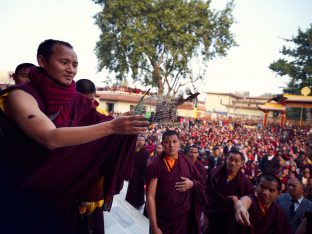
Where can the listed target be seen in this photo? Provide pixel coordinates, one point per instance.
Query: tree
(298, 67)
(155, 40)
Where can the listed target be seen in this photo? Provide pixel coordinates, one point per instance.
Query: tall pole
(305, 91)
(282, 118)
(265, 119)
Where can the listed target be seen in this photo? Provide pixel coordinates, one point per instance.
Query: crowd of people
(122, 88)
(284, 151)
(227, 148)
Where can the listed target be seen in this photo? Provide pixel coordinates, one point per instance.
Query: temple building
(238, 104)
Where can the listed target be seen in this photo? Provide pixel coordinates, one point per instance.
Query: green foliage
(155, 40)
(297, 63)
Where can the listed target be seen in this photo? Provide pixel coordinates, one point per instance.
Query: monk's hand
(157, 231)
(241, 214)
(184, 185)
(128, 124)
(233, 198)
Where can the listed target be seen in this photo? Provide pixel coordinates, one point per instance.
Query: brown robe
(201, 169)
(135, 191)
(220, 209)
(273, 222)
(177, 212)
(42, 186)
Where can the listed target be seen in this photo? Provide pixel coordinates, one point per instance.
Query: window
(110, 107)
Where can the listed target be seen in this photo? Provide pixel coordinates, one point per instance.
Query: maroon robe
(220, 209)
(135, 191)
(273, 222)
(50, 186)
(177, 212)
(201, 169)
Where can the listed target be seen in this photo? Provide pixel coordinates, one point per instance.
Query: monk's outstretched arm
(151, 206)
(241, 210)
(24, 109)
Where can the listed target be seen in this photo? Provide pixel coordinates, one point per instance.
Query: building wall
(214, 103)
(217, 102)
(235, 105)
(248, 113)
(185, 113)
(122, 106)
(118, 105)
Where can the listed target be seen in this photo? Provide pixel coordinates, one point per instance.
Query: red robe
(177, 212)
(135, 191)
(43, 186)
(201, 169)
(220, 209)
(273, 222)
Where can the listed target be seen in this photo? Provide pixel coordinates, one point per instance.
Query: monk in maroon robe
(176, 192)
(225, 184)
(193, 155)
(60, 148)
(135, 191)
(257, 213)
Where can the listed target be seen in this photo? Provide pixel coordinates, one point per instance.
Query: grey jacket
(284, 202)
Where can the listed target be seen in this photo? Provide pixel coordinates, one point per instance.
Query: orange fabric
(2, 99)
(229, 178)
(169, 162)
(263, 207)
(89, 207)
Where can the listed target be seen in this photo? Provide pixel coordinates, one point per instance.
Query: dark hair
(216, 148)
(299, 181)
(271, 177)
(236, 151)
(195, 146)
(22, 66)
(85, 86)
(170, 133)
(45, 48)
(141, 135)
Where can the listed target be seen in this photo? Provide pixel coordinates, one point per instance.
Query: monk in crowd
(175, 190)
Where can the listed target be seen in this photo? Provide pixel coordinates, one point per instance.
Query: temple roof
(270, 106)
(297, 98)
(291, 100)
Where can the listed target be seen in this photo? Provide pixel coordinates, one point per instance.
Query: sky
(261, 26)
